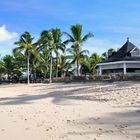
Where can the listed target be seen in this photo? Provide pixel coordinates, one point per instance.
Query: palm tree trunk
(28, 74)
(50, 67)
(8, 76)
(56, 66)
(77, 67)
(61, 73)
(77, 62)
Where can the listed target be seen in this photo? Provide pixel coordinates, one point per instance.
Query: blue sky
(111, 21)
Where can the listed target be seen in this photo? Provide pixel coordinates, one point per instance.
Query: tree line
(50, 56)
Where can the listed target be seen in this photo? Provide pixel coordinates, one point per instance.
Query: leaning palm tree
(77, 39)
(27, 47)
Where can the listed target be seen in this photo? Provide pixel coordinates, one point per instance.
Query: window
(135, 53)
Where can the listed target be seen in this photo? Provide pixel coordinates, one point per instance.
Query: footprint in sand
(100, 129)
(68, 121)
(48, 129)
(2, 129)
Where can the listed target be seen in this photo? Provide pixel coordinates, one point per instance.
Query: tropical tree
(47, 40)
(1, 64)
(77, 39)
(81, 55)
(8, 62)
(43, 65)
(1, 67)
(109, 52)
(94, 60)
(51, 39)
(85, 65)
(20, 60)
(59, 45)
(27, 47)
(65, 65)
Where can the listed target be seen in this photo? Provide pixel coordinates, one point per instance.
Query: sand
(75, 111)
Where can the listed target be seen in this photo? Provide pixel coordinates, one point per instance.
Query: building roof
(123, 54)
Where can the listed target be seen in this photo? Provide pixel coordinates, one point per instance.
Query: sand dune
(76, 111)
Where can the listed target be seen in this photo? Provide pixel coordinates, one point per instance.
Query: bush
(79, 78)
(62, 79)
(103, 77)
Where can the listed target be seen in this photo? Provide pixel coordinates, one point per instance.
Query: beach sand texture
(74, 111)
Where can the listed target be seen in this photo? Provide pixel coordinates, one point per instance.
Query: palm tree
(42, 64)
(1, 67)
(51, 39)
(85, 65)
(1, 70)
(77, 39)
(82, 55)
(109, 52)
(8, 61)
(59, 45)
(20, 60)
(26, 46)
(94, 60)
(65, 65)
(47, 40)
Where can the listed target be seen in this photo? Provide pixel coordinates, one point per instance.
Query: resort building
(125, 61)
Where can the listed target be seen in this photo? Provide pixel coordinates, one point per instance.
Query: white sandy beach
(84, 111)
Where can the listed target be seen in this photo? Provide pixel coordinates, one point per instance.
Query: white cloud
(100, 45)
(5, 35)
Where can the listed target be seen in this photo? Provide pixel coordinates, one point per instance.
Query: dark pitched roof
(123, 53)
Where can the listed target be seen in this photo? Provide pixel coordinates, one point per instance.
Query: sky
(111, 21)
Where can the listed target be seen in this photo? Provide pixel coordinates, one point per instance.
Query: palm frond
(87, 36)
(85, 52)
(77, 32)
(70, 37)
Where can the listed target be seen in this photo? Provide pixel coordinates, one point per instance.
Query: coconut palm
(1, 67)
(85, 65)
(1, 64)
(109, 52)
(27, 47)
(94, 60)
(65, 65)
(47, 40)
(42, 64)
(82, 55)
(51, 39)
(59, 45)
(8, 65)
(77, 39)
(1, 70)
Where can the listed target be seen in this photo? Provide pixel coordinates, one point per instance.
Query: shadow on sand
(57, 97)
(64, 92)
(122, 123)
